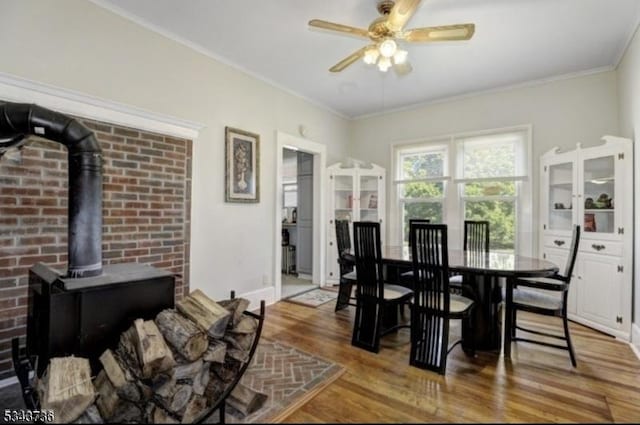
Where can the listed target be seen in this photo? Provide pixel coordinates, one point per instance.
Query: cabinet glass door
(561, 196)
(598, 192)
(369, 198)
(343, 198)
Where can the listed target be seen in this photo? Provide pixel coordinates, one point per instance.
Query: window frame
(453, 198)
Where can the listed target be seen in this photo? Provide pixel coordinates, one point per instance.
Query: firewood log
(215, 388)
(188, 371)
(216, 352)
(195, 409)
(161, 416)
(66, 388)
(246, 325)
(201, 380)
(120, 378)
(226, 371)
(90, 416)
(108, 399)
(206, 313)
(183, 335)
(153, 353)
(239, 341)
(246, 400)
(236, 306)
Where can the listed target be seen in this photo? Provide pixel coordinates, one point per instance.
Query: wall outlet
(266, 280)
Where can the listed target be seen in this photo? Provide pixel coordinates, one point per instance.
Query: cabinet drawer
(601, 247)
(561, 242)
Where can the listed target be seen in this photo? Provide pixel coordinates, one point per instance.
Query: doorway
(299, 250)
(297, 222)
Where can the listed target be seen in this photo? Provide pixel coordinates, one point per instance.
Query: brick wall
(146, 214)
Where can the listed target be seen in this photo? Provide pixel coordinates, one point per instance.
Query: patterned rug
(314, 298)
(288, 376)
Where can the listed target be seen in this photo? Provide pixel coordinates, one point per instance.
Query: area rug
(314, 298)
(288, 376)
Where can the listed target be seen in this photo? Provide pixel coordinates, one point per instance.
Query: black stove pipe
(19, 120)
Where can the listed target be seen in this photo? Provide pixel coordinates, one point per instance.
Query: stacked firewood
(169, 370)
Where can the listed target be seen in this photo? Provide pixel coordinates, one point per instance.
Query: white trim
(635, 339)
(494, 90)
(254, 297)
(16, 89)
(625, 47)
(425, 180)
(492, 179)
(319, 152)
(202, 50)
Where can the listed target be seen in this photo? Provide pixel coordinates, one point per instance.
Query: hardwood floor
(537, 385)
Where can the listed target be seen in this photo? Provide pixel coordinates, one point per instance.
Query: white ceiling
(516, 41)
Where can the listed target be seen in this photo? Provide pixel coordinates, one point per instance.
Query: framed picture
(242, 169)
(589, 222)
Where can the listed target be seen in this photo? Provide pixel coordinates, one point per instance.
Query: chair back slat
(411, 222)
(573, 252)
(343, 239)
(476, 235)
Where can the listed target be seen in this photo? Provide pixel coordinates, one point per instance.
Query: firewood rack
(25, 365)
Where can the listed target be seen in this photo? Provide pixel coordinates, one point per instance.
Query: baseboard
(635, 339)
(254, 297)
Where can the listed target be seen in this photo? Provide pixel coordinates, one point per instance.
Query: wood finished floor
(537, 385)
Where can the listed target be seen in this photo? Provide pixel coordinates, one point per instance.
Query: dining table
(481, 273)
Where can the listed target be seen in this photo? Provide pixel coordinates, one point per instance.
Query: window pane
(493, 155)
(428, 210)
(422, 190)
(422, 165)
(490, 189)
(501, 216)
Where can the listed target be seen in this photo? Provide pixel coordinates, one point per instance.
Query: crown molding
(17, 89)
(210, 54)
(527, 84)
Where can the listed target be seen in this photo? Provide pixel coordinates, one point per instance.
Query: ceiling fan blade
(443, 33)
(350, 59)
(401, 12)
(360, 32)
(402, 69)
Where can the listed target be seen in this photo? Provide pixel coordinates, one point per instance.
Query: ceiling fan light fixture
(400, 57)
(371, 56)
(384, 64)
(388, 48)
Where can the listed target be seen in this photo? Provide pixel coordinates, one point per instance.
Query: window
(490, 183)
(421, 184)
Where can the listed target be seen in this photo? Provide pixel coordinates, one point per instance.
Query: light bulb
(370, 56)
(400, 57)
(388, 48)
(384, 64)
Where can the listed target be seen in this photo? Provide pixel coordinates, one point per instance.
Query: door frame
(319, 152)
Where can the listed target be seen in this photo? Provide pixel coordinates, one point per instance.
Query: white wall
(562, 113)
(76, 45)
(629, 98)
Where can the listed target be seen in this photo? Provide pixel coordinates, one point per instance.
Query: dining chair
(346, 296)
(378, 304)
(476, 243)
(546, 296)
(406, 278)
(434, 306)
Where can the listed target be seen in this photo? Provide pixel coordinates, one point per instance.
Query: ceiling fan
(385, 30)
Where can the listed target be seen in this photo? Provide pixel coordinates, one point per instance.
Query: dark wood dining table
(481, 273)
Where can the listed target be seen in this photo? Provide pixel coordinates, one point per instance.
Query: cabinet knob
(330, 243)
(597, 247)
(558, 242)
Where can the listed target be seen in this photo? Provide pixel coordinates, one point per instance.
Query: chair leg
(572, 354)
(344, 294)
(472, 345)
(514, 322)
(508, 318)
